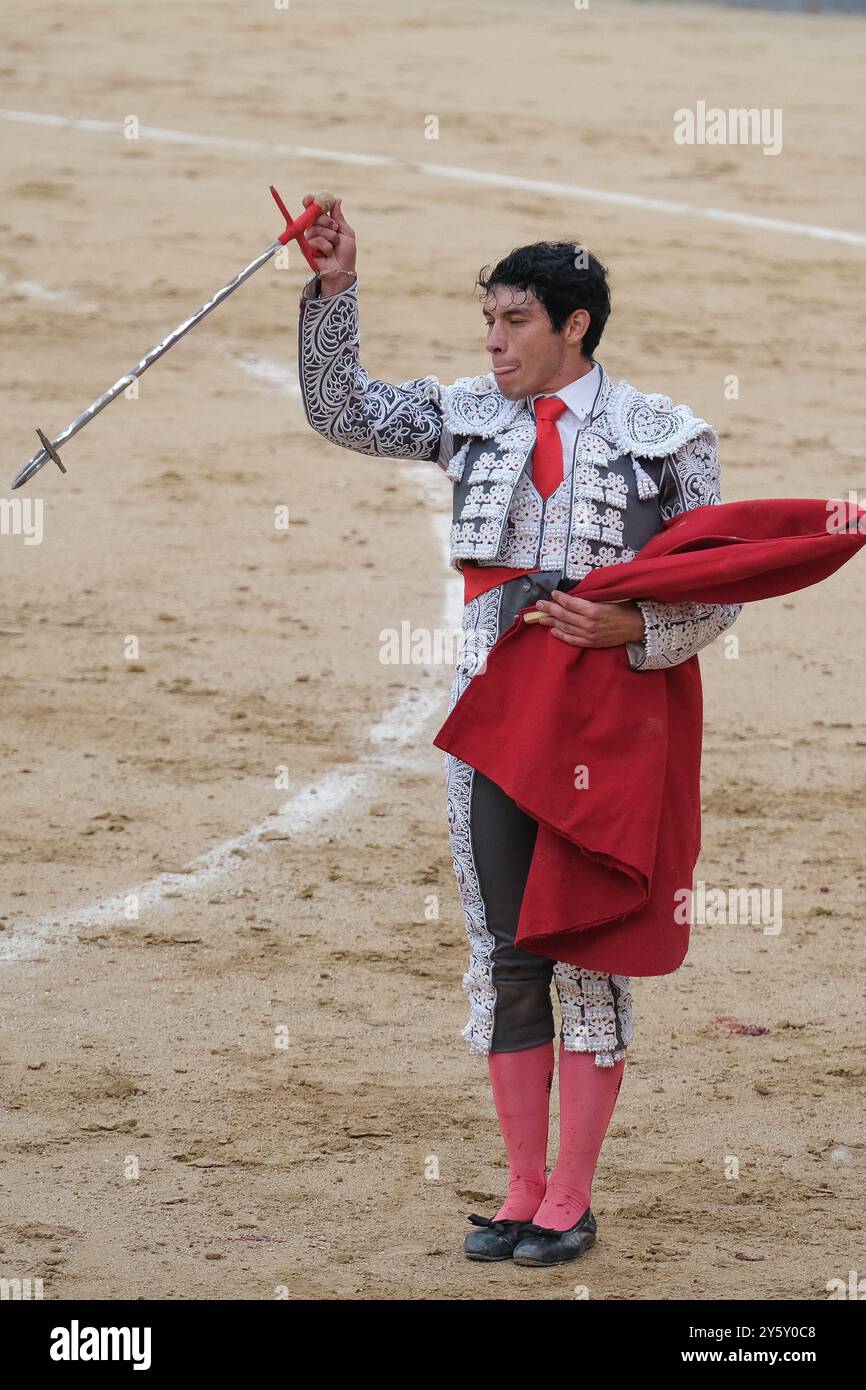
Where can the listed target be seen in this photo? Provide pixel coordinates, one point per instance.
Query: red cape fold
(607, 759)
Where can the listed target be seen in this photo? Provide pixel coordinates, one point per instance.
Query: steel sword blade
(293, 231)
(42, 456)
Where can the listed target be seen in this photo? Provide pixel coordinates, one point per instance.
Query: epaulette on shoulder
(474, 405)
(649, 425)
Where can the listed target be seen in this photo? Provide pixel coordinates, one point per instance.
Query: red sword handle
(295, 227)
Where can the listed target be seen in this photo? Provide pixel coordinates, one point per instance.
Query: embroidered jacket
(639, 461)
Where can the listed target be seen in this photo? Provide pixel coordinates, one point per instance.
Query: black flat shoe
(496, 1241)
(541, 1245)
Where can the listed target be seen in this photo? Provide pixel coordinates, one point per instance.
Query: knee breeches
(492, 841)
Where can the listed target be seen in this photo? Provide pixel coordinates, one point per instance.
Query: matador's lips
(503, 371)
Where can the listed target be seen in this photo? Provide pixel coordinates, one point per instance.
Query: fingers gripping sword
(294, 231)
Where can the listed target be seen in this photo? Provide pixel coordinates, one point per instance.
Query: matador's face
(527, 355)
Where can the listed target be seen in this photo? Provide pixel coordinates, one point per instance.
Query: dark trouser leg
(503, 839)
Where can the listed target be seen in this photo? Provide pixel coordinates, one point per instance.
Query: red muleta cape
(609, 885)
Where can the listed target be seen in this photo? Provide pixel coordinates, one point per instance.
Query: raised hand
(333, 241)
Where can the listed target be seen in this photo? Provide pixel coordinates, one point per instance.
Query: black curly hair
(563, 276)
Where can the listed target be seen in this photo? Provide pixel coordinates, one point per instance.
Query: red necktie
(547, 459)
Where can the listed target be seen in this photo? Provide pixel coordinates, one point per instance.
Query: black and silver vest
(605, 509)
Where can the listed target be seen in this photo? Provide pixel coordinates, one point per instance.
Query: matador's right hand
(333, 241)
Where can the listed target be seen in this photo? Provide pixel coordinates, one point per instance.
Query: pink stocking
(521, 1084)
(587, 1096)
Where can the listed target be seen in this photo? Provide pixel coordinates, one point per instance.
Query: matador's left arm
(676, 631)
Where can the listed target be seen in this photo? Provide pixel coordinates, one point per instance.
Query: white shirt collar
(578, 395)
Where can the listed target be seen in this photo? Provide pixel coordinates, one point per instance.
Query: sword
(294, 230)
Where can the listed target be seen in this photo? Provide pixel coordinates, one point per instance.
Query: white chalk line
(443, 171)
(390, 741)
(398, 729)
(32, 289)
(282, 378)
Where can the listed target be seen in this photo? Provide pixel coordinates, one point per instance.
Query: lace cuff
(311, 292)
(676, 631)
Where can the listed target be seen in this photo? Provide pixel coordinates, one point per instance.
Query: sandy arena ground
(276, 1046)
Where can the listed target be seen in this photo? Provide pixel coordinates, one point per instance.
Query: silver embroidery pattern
(526, 515)
(692, 478)
(649, 425)
(596, 1012)
(480, 629)
(522, 525)
(454, 469)
(474, 405)
(467, 538)
(344, 405)
(498, 455)
(594, 452)
(582, 556)
(677, 631)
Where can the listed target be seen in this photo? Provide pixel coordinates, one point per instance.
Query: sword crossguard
(295, 227)
(50, 450)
